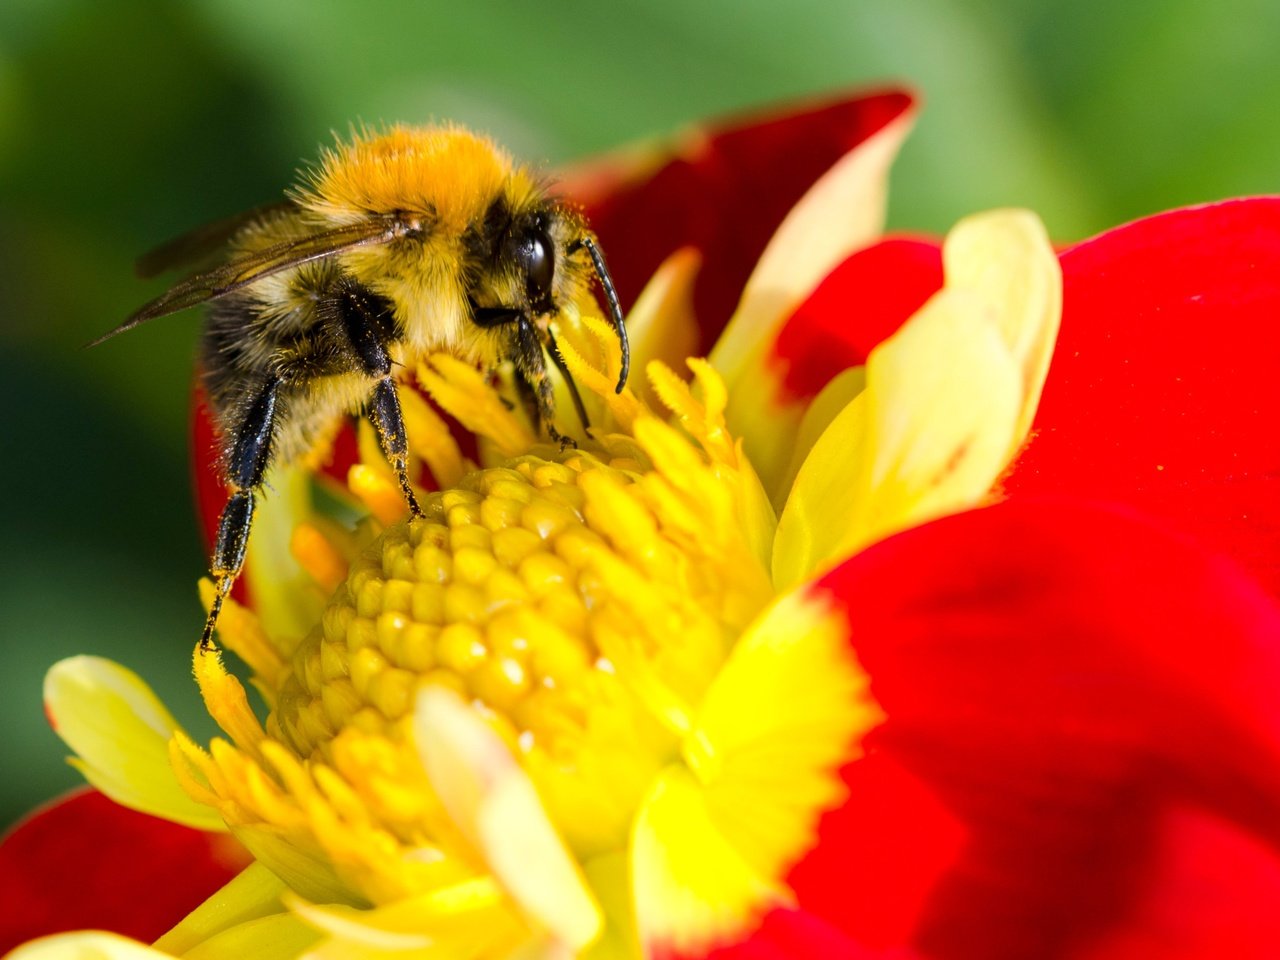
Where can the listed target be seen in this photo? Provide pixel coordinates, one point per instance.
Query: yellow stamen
(662, 325)
(226, 701)
(378, 491)
(461, 390)
(241, 632)
(317, 554)
(431, 441)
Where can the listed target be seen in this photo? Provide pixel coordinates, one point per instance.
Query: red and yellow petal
(717, 832)
(1162, 393)
(75, 864)
(120, 733)
(1081, 756)
(722, 189)
(860, 303)
(946, 403)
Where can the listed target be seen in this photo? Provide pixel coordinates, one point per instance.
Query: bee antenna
(615, 309)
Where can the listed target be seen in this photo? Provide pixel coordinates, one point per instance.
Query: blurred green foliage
(124, 123)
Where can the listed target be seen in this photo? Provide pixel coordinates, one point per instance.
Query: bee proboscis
(397, 244)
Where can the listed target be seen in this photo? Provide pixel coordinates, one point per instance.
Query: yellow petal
(610, 878)
(379, 492)
(462, 391)
(317, 554)
(1005, 257)
(307, 872)
(591, 353)
(280, 936)
(714, 840)
(825, 407)
(784, 714)
(430, 440)
(692, 887)
(355, 927)
(121, 732)
(414, 921)
(85, 945)
(929, 435)
(474, 918)
(253, 894)
(284, 598)
(841, 213)
(662, 326)
(493, 802)
(369, 450)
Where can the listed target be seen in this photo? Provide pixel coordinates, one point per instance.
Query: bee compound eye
(538, 263)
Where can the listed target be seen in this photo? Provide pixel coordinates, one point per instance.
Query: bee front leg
(557, 358)
(246, 462)
(531, 370)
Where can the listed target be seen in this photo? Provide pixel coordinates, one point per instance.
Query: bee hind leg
(250, 452)
(228, 555)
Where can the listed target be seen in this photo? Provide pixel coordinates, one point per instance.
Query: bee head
(536, 260)
(533, 250)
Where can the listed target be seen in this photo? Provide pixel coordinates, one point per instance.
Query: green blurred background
(124, 123)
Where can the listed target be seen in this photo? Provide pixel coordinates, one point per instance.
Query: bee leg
(388, 422)
(529, 398)
(557, 358)
(245, 465)
(366, 319)
(531, 369)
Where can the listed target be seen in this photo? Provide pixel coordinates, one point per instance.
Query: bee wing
(241, 272)
(205, 240)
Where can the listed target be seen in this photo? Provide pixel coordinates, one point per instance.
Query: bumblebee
(397, 244)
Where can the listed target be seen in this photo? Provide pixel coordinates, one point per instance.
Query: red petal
(211, 493)
(725, 194)
(1214, 896)
(1162, 393)
(792, 934)
(1082, 747)
(85, 862)
(860, 303)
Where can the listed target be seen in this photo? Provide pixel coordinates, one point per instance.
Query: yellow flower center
(506, 592)
(581, 600)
